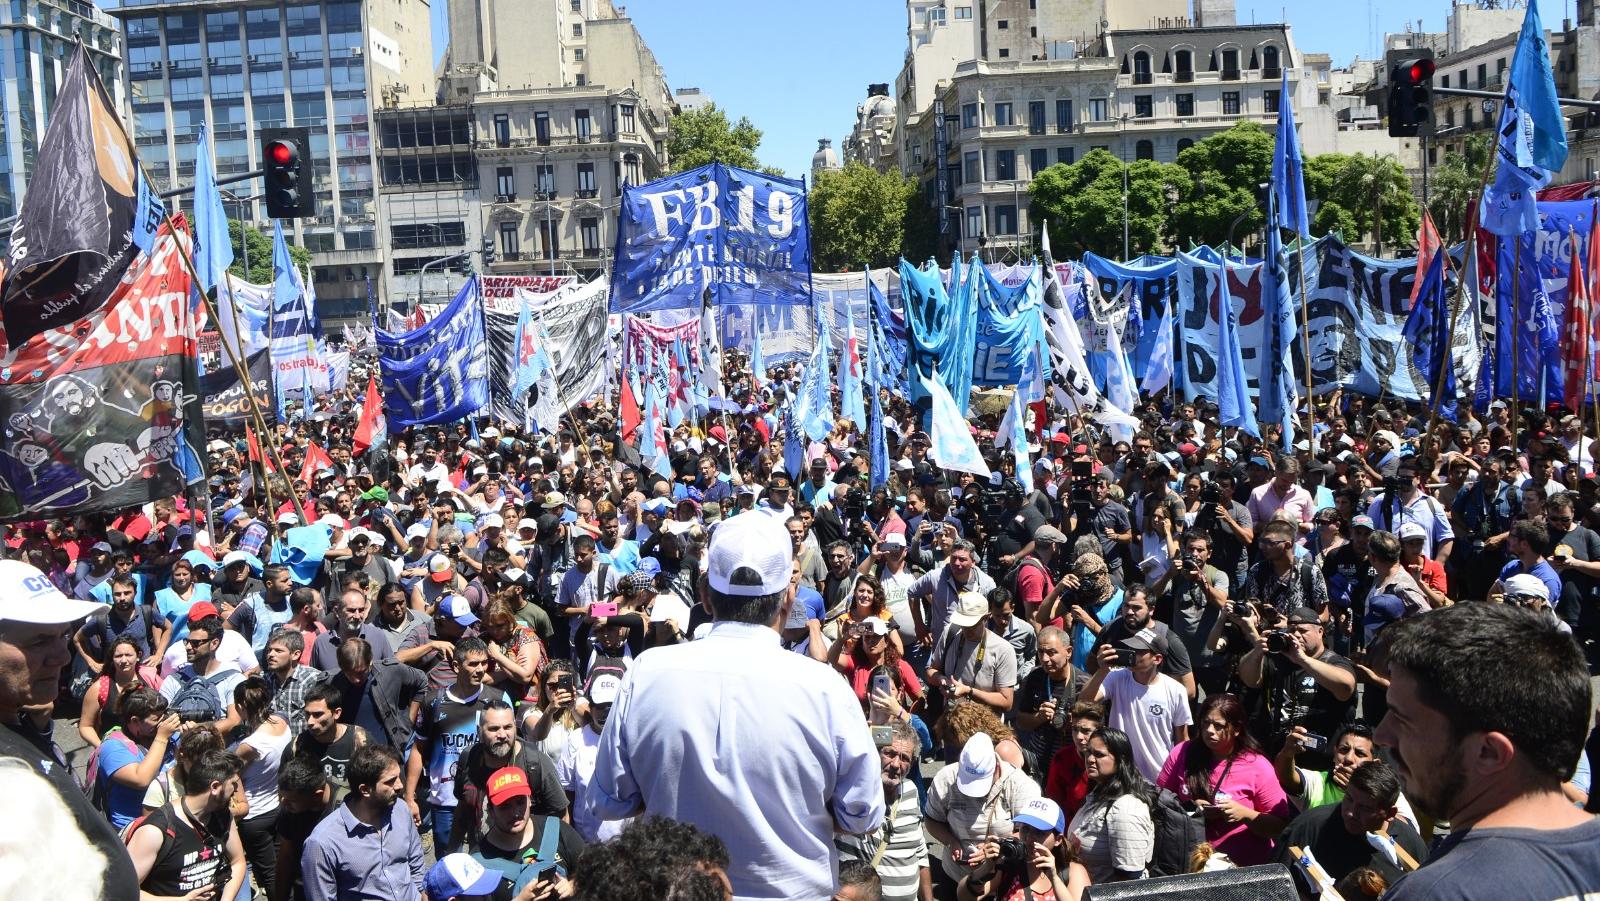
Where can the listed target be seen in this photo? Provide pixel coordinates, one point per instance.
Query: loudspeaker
(1269, 882)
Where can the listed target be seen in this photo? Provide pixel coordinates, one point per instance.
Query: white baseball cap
(975, 776)
(970, 609)
(1410, 530)
(757, 545)
(492, 521)
(1525, 583)
(28, 596)
(604, 689)
(417, 530)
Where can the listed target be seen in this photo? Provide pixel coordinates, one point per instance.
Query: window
(546, 176)
(974, 221)
(589, 234)
(586, 183)
(1184, 104)
(1270, 100)
(541, 129)
(580, 79)
(1185, 61)
(502, 130)
(510, 244)
(1063, 115)
(1141, 68)
(1143, 106)
(1230, 103)
(577, 54)
(1450, 117)
(1065, 155)
(972, 163)
(428, 234)
(1184, 144)
(1004, 53)
(1002, 114)
(969, 115)
(549, 238)
(1097, 109)
(577, 6)
(577, 29)
(1269, 62)
(1038, 160)
(1005, 165)
(936, 15)
(1036, 117)
(1002, 24)
(963, 12)
(630, 169)
(1005, 219)
(1445, 82)
(1483, 75)
(1144, 150)
(625, 112)
(505, 183)
(1230, 65)
(582, 126)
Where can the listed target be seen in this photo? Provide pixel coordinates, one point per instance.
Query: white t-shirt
(575, 768)
(234, 651)
(1148, 713)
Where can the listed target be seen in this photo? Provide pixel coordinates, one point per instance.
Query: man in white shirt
(1150, 706)
(429, 469)
(576, 766)
(731, 733)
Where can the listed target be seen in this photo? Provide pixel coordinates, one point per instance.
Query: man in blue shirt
(1528, 539)
(368, 847)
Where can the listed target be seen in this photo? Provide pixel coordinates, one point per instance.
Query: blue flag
(794, 447)
(850, 376)
(530, 359)
(1288, 173)
(878, 443)
(438, 373)
(1427, 331)
(1233, 393)
(953, 444)
(758, 363)
(816, 393)
(1158, 371)
(1278, 395)
(652, 437)
(213, 248)
(1532, 142)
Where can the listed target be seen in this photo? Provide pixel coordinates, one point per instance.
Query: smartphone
(1314, 742)
(602, 610)
(882, 683)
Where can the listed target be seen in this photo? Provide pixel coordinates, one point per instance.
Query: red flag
(631, 416)
(372, 420)
(1428, 244)
(1589, 282)
(417, 320)
(316, 458)
(253, 449)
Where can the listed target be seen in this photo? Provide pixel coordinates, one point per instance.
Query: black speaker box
(1270, 882)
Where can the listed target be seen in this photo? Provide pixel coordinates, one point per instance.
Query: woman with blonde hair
(516, 655)
(965, 718)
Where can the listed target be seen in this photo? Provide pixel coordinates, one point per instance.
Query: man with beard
(899, 851)
(1338, 834)
(499, 747)
(1330, 330)
(368, 847)
(1480, 744)
(1137, 614)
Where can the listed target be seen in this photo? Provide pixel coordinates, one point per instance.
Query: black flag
(87, 213)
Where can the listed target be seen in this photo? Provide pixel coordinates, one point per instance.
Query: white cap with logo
(28, 596)
(757, 543)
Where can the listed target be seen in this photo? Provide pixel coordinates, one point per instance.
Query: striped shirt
(900, 867)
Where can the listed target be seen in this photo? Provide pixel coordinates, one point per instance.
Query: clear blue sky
(797, 68)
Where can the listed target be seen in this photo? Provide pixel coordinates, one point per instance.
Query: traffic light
(488, 251)
(1410, 93)
(285, 156)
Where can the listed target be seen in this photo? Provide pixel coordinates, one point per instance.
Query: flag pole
(233, 356)
(249, 389)
(1450, 343)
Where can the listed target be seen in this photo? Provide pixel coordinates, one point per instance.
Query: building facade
(243, 65)
(38, 37)
(872, 140)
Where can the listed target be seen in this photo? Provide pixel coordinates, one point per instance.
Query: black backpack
(1177, 833)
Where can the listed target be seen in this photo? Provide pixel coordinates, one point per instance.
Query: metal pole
(1124, 143)
(549, 213)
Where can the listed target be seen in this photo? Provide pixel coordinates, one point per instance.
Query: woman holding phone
(1224, 776)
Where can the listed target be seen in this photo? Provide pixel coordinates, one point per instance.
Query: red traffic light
(281, 153)
(1422, 70)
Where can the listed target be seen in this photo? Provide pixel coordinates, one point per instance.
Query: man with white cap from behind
(35, 620)
(765, 748)
(1526, 590)
(970, 806)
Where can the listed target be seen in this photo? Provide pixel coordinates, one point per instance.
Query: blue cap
(649, 566)
(455, 875)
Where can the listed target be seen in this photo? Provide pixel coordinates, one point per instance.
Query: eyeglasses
(1525, 600)
(197, 642)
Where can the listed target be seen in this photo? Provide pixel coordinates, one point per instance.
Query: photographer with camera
(1013, 533)
(1404, 502)
(1045, 699)
(1192, 595)
(1107, 520)
(970, 805)
(971, 661)
(1038, 862)
(1482, 515)
(1278, 580)
(1148, 705)
(1304, 682)
(1229, 524)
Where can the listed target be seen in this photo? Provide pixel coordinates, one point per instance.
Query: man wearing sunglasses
(1529, 591)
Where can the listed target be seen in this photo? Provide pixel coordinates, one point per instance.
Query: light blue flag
(652, 437)
(851, 400)
(213, 248)
(1158, 370)
(1532, 143)
(1278, 390)
(953, 445)
(877, 442)
(816, 395)
(1288, 170)
(1013, 430)
(758, 363)
(794, 448)
(1233, 392)
(530, 360)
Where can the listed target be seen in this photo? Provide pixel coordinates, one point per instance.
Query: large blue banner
(1541, 297)
(1152, 283)
(1010, 327)
(740, 234)
(439, 372)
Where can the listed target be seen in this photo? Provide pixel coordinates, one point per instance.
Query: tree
(703, 136)
(260, 255)
(1454, 187)
(1082, 201)
(858, 218)
(1353, 189)
(1225, 173)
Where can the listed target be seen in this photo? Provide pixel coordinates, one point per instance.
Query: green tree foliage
(859, 217)
(1225, 171)
(260, 247)
(1354, 189)
(1083, 204)
(1454, 187)
(704, 136)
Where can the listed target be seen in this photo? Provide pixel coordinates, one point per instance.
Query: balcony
(1183, 76)
(1143, 78)
(505, 198)
(1272, 73)
(588, 193)
(1230, 74)
(508, 256)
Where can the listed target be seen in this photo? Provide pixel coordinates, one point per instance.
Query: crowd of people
(479, 662)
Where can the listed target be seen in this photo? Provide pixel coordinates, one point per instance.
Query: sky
(798, 68)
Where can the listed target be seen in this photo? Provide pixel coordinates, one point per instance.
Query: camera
(1125, 657)
(1191, 563)
(1240, 608)
(1011, 853)
(1278, 642)
(1314, 742)
(193, 716)
(1210, 493)
(882, 736)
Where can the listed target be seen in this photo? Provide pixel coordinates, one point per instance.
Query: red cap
(1187, 449)
(1061, 438)
(719, 433)
(507, 783)
(1081, 450)
(202, 610)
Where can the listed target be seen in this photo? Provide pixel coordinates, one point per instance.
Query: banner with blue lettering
(1155, 285)
(1010, 327)
(1541, 302)
(741, 234)
(787, 331)
(439, 372)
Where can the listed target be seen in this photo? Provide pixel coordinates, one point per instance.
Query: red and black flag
(88, 212)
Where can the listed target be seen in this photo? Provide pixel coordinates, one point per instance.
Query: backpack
(1176, 834)
(92, 784)
(199, 700)
(1009, 581)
